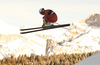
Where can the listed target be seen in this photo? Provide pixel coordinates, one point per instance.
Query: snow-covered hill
(78, 38)
(8, 29)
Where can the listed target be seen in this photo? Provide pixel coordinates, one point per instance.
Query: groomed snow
(8, 29)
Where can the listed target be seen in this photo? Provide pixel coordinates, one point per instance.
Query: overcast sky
(26, 12)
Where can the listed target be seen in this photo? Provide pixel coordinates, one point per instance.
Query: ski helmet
(42, 10)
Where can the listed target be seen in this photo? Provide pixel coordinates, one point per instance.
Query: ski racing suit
(49, 17)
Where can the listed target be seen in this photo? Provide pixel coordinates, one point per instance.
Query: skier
(49, 17)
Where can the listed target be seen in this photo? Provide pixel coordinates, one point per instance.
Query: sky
(26, 12)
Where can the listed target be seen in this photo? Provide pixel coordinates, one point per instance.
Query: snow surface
(30, 45)
(8, 29)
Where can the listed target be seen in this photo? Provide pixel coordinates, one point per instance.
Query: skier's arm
(45, 20)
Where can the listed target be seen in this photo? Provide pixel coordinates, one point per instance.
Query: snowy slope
(28, 45)
(7, 29)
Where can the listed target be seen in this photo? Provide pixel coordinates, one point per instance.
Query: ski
(44, 27)
(41, 28)
(30, 28)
